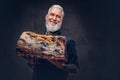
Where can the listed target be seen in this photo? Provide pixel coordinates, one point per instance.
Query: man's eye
(52, 14)
(58, 16)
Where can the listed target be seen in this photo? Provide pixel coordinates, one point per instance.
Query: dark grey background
(93, 24)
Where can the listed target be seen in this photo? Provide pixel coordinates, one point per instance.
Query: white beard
(53, 28)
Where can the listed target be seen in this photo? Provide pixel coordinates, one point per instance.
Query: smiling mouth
(53, 23)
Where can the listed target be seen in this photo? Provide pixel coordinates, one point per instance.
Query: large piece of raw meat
(33, 45)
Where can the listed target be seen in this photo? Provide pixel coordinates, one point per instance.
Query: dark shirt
(44, 70)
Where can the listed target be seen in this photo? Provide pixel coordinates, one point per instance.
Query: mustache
(56, 22)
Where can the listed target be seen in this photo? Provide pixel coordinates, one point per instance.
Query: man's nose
(54, 17)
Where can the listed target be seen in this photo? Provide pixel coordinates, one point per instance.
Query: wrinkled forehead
(55, 10)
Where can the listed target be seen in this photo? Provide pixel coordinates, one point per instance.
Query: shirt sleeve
(72, 53)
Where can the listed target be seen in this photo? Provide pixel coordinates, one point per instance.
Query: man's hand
(57, 63)
(71, 68)
(68, 67)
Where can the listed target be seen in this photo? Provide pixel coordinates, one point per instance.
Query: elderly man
(53, 69)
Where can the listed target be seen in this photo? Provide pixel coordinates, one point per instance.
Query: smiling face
(54, 19)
